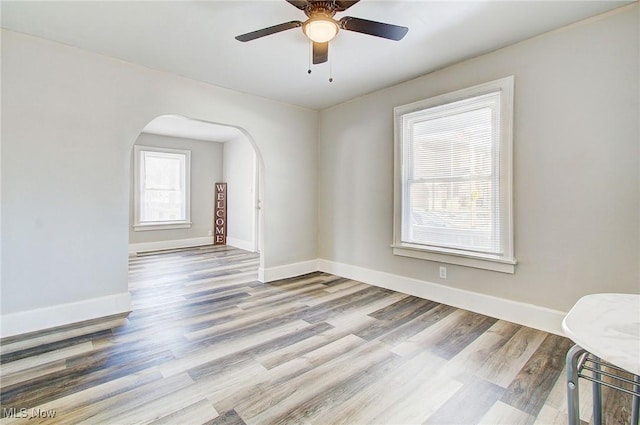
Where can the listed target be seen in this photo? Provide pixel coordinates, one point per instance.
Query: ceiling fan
(320, 27)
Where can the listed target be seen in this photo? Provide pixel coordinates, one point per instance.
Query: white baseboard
(514, 311)
(530, 315)
(63, 314)
(241, 244)
(288, 270)
(172, 244)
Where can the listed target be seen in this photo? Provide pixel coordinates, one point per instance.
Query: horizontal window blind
(162, 192)
(451, 175)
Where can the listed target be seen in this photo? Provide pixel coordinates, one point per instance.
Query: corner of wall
(288, 270)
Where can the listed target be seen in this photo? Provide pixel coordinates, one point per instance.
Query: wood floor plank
(470, 327)
(161, 407)
(215, 367)
(225, 348)
(250, 277)
(32, 373)
(51, 346)
(466, 363)
(270, 403)
(227, 418)
(505, 364)
(389, 392)
(343, 285)
(551, 416)
(29, 394)
(314, 409)
(282, 295)
(287, 400)
(477, 397)
(418, 325)
(334, 292)
(296, 350)
(535, 380)
(244, 321)
(416, 398)
(416, 407)
(439, 324)
(503, 414)
(89, 399)
(395, 315)
(360, 313)
(55, 335)
(239, 375)
(206, 343)
(199, 412)
(333, 308)
(129, 407)
(254, 389)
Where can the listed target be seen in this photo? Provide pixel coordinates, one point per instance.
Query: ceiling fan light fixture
(320, 30)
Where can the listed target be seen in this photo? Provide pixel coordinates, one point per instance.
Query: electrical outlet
(443, 272)
(210, 232)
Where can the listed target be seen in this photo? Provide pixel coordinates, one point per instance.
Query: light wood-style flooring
(207, 343)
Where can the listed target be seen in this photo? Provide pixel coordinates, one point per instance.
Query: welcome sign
(220, 215)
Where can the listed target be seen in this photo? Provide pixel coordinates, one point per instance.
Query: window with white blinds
(453, 177)
(162, 180)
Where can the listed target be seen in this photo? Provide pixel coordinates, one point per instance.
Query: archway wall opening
(211, 153)
(242, 172)
(65, 198)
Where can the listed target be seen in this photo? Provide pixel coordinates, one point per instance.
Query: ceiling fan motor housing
(325, 9)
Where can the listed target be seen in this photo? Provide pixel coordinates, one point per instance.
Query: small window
(162, 186)
(453, 181)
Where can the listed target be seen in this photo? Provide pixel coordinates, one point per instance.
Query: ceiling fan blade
(300, 4)
(379, 29)
(320, 52)
(268, 31)
(344, 5)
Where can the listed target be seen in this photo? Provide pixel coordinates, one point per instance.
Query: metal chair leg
(597, 395)
(635, 407)
(573, 402)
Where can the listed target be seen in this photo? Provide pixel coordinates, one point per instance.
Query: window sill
(480, 261)
(165, 225)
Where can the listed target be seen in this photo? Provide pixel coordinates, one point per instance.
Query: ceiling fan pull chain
(310, 54)
(330, 67)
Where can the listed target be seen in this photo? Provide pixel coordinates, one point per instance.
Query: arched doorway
(212, 152)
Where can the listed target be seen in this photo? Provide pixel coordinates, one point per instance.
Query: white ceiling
(196, 39)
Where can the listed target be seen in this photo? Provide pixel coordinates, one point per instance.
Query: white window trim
(504, 263)
(139, 226)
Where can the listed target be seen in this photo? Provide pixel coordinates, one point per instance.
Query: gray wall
(239, 166)
(576, 166)
(206, 169)
(69, 121)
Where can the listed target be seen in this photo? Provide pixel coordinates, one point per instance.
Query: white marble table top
(608, 326)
